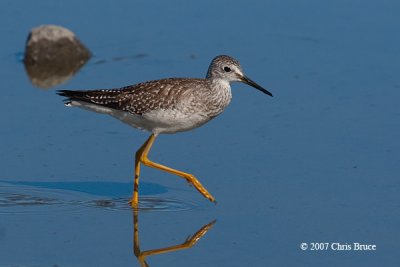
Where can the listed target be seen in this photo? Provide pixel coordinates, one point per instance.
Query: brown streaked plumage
(167, 106)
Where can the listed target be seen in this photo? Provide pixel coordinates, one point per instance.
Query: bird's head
(228, 69)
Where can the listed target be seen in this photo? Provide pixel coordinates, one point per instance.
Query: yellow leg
(141, 157)
(135, 198)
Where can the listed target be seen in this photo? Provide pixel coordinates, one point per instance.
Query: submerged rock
(53, 54)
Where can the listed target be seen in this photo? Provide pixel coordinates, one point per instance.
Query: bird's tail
(96, 100)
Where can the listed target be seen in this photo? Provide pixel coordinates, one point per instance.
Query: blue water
(317, 163)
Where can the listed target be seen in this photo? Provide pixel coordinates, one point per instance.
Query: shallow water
(318, 163)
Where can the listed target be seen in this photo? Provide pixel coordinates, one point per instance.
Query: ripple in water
(16, 199)
(145, 204)
(8, 200)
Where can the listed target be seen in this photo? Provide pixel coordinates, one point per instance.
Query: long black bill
(255, 85)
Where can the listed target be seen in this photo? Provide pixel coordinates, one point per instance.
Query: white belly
(162, 121)
(155, 121)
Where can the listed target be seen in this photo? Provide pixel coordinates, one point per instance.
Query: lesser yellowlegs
(167, 106)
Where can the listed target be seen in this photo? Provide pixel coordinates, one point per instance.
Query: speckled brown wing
(136, 99)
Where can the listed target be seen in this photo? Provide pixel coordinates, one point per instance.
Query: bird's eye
(227, 69)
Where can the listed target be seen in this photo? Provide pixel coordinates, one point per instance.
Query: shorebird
(166, 106)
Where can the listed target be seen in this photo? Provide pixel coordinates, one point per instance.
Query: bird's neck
(220, 95)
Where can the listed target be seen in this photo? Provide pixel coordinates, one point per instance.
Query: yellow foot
(134, 203)
(212, 199)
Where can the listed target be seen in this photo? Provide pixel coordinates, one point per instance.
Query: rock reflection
(53, 54)
(188, 243)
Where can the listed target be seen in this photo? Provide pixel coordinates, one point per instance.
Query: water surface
(319, 162)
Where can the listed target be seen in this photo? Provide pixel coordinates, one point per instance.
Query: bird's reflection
(188, 243)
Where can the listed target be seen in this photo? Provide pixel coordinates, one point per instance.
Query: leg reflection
(188, 243)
